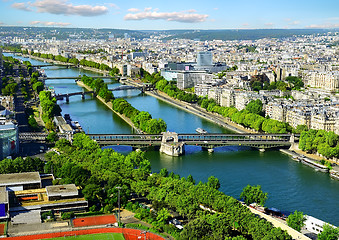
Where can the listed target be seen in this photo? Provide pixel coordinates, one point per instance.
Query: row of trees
(20, 164)
(169, 88)
(8, 86)
(99, 86)
(229, 219)
(249, 117)
(99, 171)
(324, 142)
(142, 120)
(75, 61)
(49, 108)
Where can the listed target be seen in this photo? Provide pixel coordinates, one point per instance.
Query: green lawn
(99, 236)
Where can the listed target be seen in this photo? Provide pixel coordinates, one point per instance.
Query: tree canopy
(296, 220)
(253, 194)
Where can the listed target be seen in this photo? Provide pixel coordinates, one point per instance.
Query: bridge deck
(206, 140)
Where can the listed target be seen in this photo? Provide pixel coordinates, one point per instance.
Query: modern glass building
(204, 59)
(9, 139)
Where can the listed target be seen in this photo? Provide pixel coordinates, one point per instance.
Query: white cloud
(333, 19)
(21, 6)
(150, 14)
(1, 23)
(112, 5)
(59, 24)
(133, 10)
(269, 24)
(326, 25)
(245, 24)
(294, 23)
(65, 8)
(191, 10)
(215, 8)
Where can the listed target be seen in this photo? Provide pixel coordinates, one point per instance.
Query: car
(176, 223)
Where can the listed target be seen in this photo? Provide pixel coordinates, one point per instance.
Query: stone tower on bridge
(170, 144)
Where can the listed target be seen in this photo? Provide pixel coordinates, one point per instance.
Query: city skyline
(158, 15)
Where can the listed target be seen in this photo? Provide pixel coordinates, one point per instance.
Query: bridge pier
(83, 96)
(67, 98)
(170, 144)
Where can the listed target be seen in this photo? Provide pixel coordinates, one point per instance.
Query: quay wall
(110, 106)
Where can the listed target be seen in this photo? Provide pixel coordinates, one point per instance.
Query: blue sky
(172, 14)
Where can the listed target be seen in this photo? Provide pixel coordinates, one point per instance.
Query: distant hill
(64, 33)
(241, 34)
(104, 33)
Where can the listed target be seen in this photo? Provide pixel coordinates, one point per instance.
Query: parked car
(176, 223)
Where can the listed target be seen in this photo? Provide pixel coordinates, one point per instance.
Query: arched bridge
(120, 88)
(203, 140)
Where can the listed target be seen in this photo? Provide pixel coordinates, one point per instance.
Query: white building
(314, 225)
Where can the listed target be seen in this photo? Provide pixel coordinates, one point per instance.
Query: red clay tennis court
(2, 229)
(129, 234)
(93, 220)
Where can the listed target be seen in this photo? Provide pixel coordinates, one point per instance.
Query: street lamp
(118, 204)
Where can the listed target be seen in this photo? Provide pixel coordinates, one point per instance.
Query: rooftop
(62, 190)
(19, 178)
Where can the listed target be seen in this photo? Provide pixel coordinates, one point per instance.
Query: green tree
(253, 194)
(163, 215)
(255, 106)
(296, 220)
(213, 182)
(52, 137)
(38, 87)
(329, 233)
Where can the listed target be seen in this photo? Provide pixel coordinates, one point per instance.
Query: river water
(290, 185)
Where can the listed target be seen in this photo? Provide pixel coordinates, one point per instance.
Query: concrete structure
(9, 139)
(27, 198)
(57, 192)
(170, 144)
(62, 125)
(188, 79)
(204, 58)
(20, 181)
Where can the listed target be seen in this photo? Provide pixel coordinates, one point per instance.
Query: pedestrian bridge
(261, 141)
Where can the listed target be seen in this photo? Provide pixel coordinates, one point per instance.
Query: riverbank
(191, 108)
(67, 64)
(110, 106)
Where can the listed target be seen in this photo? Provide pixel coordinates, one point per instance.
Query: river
(290, 185)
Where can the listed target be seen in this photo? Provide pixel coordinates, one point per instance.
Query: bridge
(173, 143)
(78, 77)
(203, 140)
(38, 136)
(120, 88)
(45, 65)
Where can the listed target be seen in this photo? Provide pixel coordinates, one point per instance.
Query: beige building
(324, 122)
(297, 117)
(276, 111)
(227, 97)
(325, 80)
